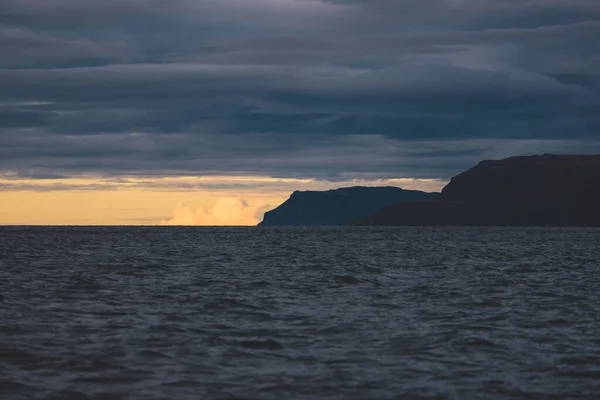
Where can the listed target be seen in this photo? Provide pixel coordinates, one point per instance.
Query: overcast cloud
(294, 88)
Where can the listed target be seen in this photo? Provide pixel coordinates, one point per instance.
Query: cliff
(340, 206)
(547, 190)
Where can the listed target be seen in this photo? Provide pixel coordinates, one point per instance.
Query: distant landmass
(339, 206)
(547, 190)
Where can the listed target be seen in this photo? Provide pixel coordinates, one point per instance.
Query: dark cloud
(292, 88)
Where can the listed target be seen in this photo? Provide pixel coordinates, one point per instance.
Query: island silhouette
(544, 190)
(339, 206)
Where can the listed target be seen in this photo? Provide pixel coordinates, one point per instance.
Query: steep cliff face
(340, 206)
(548, 190)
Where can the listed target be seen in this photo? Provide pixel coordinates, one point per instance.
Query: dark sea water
(270, 313)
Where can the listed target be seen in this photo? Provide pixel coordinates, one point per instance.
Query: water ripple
(273, 313)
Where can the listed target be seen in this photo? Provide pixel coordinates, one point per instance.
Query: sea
(299, 313)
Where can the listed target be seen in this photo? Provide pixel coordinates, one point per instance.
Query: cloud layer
(294, 88)
(226, 211)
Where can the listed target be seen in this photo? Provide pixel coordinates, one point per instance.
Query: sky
(210, 112)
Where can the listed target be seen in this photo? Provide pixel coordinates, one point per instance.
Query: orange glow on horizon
(180, 200)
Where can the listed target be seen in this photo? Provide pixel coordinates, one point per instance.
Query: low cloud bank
(226, 211)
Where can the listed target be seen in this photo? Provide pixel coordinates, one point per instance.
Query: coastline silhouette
(545, 190)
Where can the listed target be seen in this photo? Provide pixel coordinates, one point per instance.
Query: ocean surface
(317, 313)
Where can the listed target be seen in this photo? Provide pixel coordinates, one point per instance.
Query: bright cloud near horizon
(203, 112)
